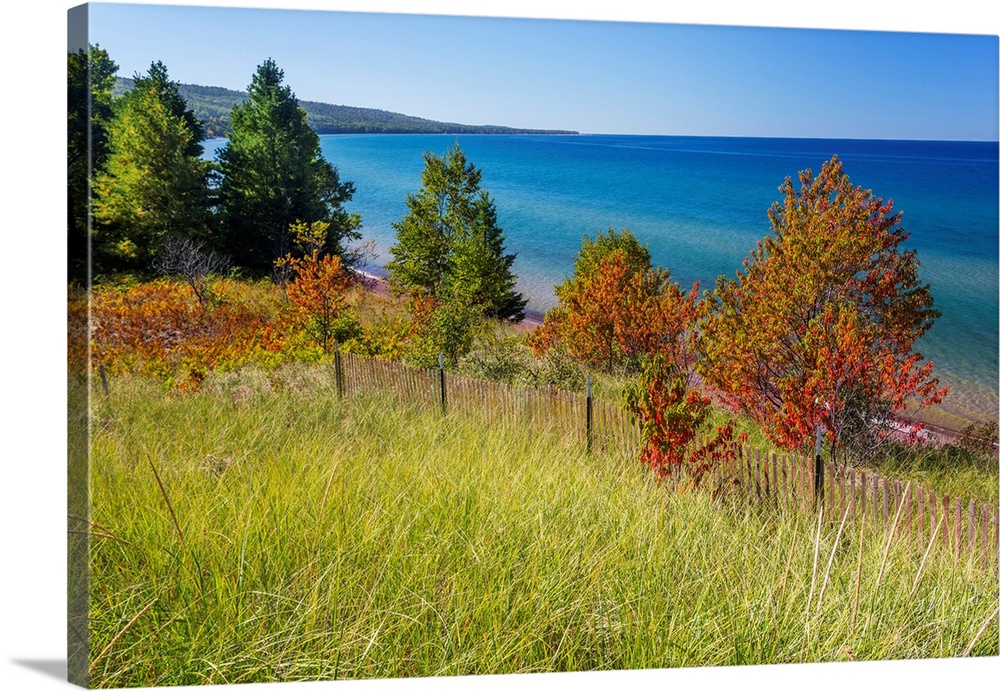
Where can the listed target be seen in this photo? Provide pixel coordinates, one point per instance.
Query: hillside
(212, 104)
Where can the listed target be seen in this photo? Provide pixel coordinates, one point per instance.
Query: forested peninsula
(212, 104)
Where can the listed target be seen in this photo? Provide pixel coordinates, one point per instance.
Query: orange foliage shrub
(158, 329)
(671, 413)
(619, 312)
(318, 295)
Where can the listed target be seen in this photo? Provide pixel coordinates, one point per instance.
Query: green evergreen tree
(449, 245)
(154, 182)
(275, 176)
(90, 80)
(480, 272)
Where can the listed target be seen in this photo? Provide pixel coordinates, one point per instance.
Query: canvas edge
(77, 427)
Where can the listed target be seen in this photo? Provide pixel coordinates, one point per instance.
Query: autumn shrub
(672, 414)
(158, 328)
(77, 337)
(317, 295)
(617, 308)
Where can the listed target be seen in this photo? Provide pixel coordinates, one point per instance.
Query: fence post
(104, 379)
(818, 470)
(338, 369)
(590, 417)
(444, 400)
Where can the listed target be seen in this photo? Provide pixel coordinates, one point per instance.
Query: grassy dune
(262, 530)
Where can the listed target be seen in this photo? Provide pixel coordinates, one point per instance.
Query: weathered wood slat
(972, 525)
(945, 501)
(958, 526)
(920, 517)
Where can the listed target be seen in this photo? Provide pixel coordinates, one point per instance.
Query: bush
(497, 358)
(980, 440)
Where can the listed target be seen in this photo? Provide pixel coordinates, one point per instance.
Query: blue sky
(591, 76)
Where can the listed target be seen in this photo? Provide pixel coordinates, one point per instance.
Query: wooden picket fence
(611, 429)
(851, 495)
(970, 529)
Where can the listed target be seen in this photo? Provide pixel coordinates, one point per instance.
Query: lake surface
(700, 204)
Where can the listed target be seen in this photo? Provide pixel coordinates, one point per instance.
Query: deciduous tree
(617, 309)
(820, 326)
(190, 259)
(318, 295)
(316, 285)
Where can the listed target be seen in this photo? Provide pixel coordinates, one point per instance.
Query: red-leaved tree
(617, 309)
(671, 413)
(819, 327)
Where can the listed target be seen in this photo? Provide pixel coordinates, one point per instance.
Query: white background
(33, 494)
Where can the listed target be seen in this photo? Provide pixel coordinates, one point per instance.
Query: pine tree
(274, 176)
(450, 246)
(154, 182)
(480, 272)
(90, 79)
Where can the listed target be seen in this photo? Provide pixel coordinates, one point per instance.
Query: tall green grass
(263, 530)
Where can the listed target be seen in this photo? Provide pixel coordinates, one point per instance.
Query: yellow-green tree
(154, 182)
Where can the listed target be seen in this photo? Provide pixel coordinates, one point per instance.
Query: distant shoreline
(212, 105)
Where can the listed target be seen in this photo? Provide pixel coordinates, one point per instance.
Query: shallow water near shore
(701, 203)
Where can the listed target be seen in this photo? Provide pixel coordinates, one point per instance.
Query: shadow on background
(50, 668)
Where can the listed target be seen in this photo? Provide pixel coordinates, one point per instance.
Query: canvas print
(418, 345)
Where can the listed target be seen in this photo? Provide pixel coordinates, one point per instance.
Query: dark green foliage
(90, 80)
(274, 175)
(480, 272)
(335, 119)
(154, 182)
(449, 245)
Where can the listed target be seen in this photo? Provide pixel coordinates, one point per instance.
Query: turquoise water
(701, 203)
